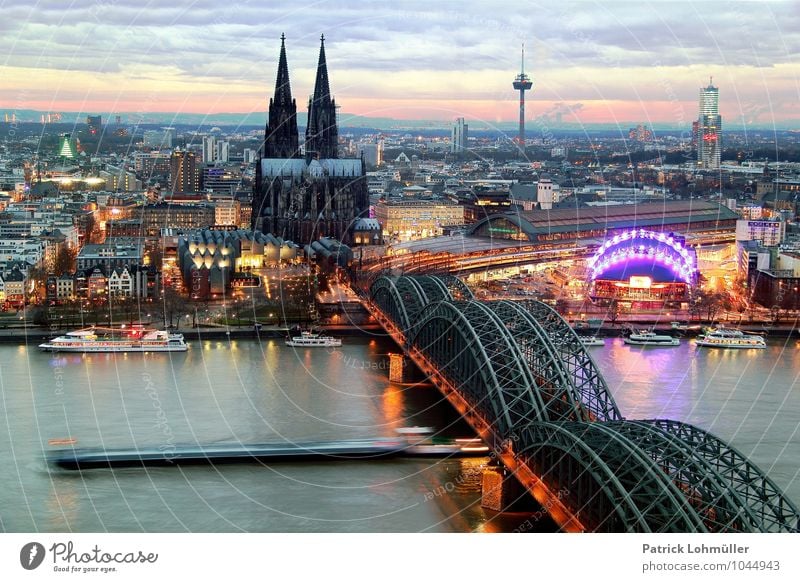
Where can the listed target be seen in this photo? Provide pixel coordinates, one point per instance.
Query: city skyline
(590, 62)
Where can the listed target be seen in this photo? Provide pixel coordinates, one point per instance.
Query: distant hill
(258, 119)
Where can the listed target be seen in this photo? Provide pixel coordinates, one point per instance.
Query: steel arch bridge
(522, 379)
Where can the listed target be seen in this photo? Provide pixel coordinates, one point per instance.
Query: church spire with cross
(281, 137)
(322, 135)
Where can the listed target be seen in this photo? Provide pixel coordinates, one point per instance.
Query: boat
(730, 338)
(591, 341)
(649, 338)
(74, 458)
(420, 442)
(134, 339)
(310, 339)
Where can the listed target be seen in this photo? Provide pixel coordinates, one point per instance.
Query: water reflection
(262, 391)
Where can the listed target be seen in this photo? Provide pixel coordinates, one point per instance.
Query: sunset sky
(594, 62)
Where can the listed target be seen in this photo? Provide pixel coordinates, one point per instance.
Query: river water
(250, 391)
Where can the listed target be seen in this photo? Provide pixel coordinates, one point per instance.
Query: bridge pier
(501, 491)
(398, 368)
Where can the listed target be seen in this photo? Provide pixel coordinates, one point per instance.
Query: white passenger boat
(134, 339)
(592, 341)
(730, 338)
(649, 338)
(309, 339)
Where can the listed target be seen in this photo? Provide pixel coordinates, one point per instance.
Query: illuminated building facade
(179, 216)
(644, 267)
(413, 219)
(66, 147)
(150, 164)
(770, 233)
(221, 179)
(209, 260)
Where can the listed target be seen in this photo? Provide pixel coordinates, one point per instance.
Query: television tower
(522, 83)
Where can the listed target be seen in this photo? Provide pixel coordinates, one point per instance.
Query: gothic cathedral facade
(302, 194)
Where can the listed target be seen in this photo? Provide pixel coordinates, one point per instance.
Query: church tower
(322, 135)
(280, 136)
(303, 198)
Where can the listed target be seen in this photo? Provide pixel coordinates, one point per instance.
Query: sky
(591, 61)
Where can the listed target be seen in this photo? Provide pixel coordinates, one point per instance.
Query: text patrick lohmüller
(694, 549)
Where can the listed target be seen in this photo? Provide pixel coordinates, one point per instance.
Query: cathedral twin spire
(281, 135)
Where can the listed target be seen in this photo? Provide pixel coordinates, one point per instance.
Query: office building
(184, 175)
(209, 149)
(160, 138)
(223, 151)
(459, 136)
(709, 129)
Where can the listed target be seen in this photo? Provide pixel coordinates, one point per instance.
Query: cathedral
(304, 193)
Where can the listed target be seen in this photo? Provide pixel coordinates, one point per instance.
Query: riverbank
(34, 335)
(622, 329)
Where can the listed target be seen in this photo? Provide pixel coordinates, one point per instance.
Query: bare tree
(65, 260)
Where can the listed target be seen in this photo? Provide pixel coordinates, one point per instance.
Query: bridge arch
(766, 507)
(590, 386)
(560, 401)
(403, 298)
(471, 349)
(413, 297)
(606, 480)
(384, 294)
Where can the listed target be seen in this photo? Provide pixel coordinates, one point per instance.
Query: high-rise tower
(709, 128)
(522, 83)
(183, 173)
(459, 136)
(322, 135)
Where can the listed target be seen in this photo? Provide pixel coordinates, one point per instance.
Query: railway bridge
(520, 376)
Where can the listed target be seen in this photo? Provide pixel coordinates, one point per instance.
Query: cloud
(576, 51)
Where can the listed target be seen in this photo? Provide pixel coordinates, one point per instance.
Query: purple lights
(638, 245)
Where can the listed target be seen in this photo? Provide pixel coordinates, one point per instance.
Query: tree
(562, 306)
(91, 229)
(37, 279)
(65, 260)
(40, 316)
(614, 311)
(156, 257)
(174, 306)
(128, 306)
(709, 302)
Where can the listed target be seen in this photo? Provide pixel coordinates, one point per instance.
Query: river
(252, 391)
